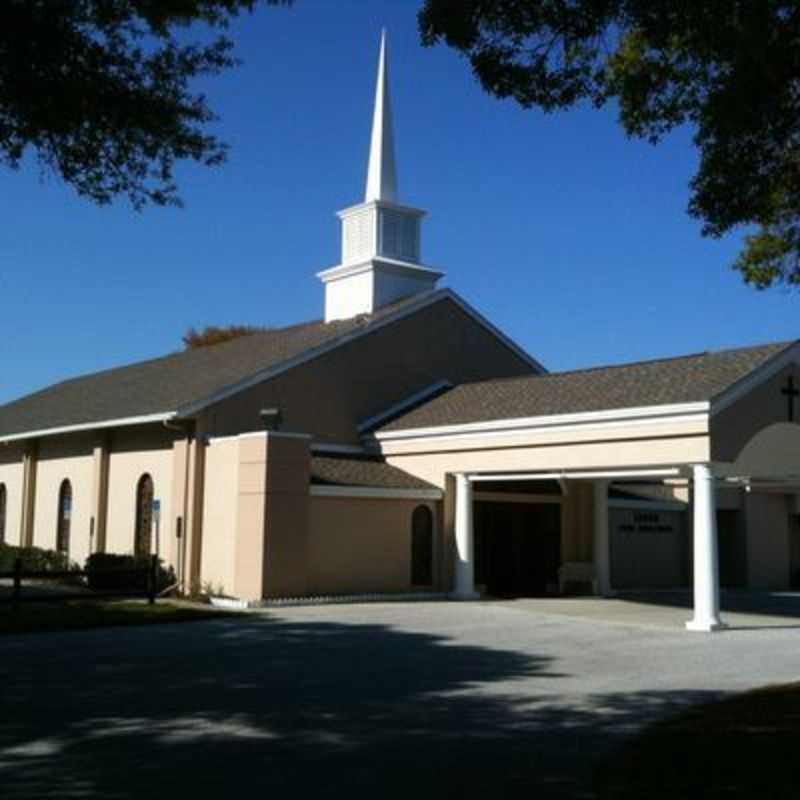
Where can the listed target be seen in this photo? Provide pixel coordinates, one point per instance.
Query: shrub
(111, 572)
(35, 559)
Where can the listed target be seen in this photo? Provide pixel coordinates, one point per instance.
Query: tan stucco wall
(773, 453)
(132, 453)
(734, 426)
(286, 516)
(271, 516)
(219, 514)
(379, 370)
(358, 545)
(768, 554)
(433, 466)
(62, 458)
(11, 472)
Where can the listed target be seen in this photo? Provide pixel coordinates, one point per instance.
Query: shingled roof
(362, 472)
(686, 379)
(167, 384)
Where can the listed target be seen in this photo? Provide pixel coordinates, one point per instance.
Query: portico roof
(700, 377)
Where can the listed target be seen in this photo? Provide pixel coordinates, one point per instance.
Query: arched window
(422, 546)
(143, 534)
(64, 516)
(3, 495)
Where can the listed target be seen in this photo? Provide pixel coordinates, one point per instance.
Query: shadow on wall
(270, 708)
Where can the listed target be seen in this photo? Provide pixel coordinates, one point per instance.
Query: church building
(403, 444)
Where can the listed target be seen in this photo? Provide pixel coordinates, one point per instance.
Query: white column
(602, 554)
(465, 562)
(706, 567)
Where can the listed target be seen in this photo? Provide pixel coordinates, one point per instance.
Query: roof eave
(639, 414)
(145, 419)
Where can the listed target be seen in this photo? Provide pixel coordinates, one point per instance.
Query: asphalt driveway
(411, 700)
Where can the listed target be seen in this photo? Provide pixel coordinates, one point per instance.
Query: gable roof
(182, 383)
(686, 379)
(163, 387)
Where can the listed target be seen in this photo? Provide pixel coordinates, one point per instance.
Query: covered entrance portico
(587, 467)
(705, 557)
(766, 466)
(716, 433)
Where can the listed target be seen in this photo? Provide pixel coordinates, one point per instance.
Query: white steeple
(380, 238)
(382, 174)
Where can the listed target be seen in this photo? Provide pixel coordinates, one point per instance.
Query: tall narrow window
(422, 546)
(142, 541)
(64, 516)
(3, 495)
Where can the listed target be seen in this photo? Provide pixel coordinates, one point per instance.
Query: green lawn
(77, 615)
(741, 747)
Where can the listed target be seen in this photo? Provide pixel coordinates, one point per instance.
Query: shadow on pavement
(268, 707)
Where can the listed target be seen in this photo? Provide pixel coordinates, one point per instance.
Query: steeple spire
(382, 175)
(381, 240)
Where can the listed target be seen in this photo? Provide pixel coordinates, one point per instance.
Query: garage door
(649, 548)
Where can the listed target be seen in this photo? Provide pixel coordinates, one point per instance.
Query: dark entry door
(518, 547)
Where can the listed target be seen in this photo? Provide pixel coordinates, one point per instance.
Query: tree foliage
(213, 334)
(99, 90)
(729, 68)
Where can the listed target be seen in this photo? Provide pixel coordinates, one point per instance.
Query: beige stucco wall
(61, 458)
(271, 516)
(11, 472)
(379, 370)
(286, 516)
(633, 450)
(132, 453)
(768, 554)
(734, 426)
(773, 453)
(219, 514)
(358, 545)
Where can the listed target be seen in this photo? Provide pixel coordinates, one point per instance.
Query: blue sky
(571, 238)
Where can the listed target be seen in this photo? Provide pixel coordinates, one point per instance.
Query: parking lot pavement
(741, 609)
(394, 699)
